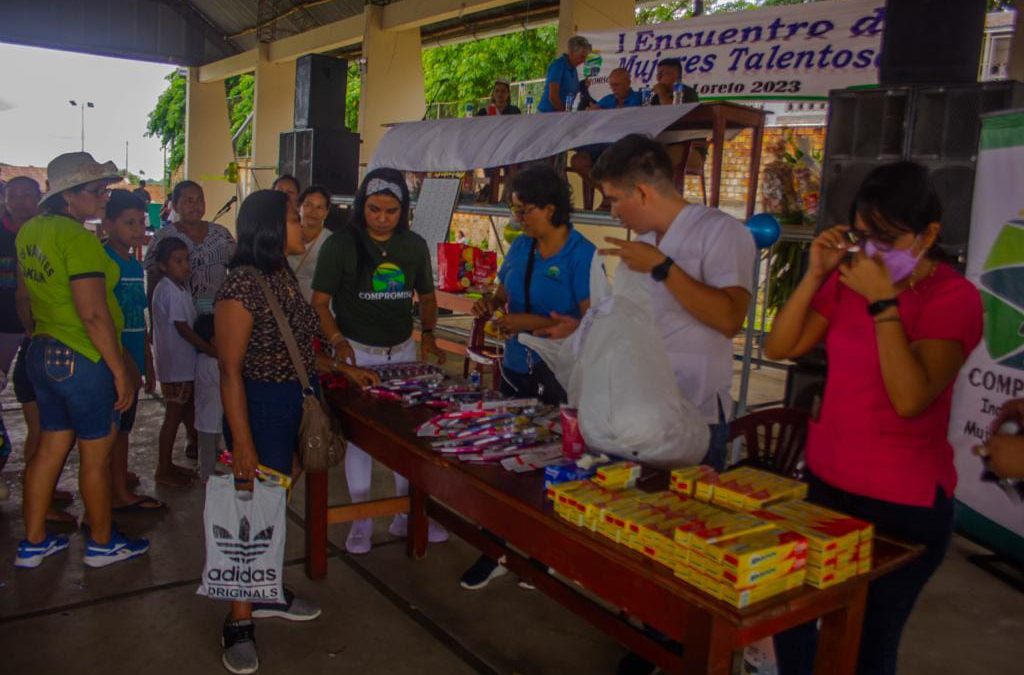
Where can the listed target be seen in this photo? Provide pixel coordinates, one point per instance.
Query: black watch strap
(660, 272)
(879, 306)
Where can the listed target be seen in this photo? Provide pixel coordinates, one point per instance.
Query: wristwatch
(660, 272)
(879, 306)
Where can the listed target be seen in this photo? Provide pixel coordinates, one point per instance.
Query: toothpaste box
(684, 481)
(747, 489)
(617, 475)
(758, 557)
(719, 527)
(744, 597)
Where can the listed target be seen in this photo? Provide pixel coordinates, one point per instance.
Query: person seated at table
(898, 324)
(501, 98)
(368, 273)
(667, 75)
(546, 270)
(562, 80)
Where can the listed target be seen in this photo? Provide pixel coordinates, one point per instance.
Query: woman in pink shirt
(898, 324)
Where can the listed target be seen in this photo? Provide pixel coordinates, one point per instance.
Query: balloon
(765, 229)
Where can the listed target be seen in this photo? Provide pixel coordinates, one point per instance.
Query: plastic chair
(481, 355)
(775, 440)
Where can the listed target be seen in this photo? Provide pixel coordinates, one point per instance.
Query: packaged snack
(573, 446)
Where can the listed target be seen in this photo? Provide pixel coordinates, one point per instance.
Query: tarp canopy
(500, 140)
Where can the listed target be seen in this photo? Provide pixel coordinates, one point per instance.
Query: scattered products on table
(461, 268)
(493, 434)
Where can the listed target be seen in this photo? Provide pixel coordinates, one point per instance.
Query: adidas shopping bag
(244, 541)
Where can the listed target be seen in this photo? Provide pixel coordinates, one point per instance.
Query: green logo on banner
(388, 278)
(1002, 294)
(592, 66)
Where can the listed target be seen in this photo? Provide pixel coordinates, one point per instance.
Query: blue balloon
(765, 229)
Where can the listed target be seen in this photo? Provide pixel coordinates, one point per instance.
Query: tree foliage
(240, 91)
(167, 120)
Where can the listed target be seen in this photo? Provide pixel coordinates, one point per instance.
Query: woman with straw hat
(82, 380)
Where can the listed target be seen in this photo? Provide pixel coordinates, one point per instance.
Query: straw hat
(73, 169)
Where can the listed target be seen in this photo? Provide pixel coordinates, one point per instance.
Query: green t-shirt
(53, 251)
(372, 283)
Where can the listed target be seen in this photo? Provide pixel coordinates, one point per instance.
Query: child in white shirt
(209, 411)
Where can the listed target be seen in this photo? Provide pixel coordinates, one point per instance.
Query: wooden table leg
(755, 168)
(708, 647)
(316, 524)
(717, 154)
(839, 636)
(416, 541)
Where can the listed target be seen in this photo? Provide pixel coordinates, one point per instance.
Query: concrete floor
(382, 612)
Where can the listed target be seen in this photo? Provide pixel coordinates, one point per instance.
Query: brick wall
(736, 160)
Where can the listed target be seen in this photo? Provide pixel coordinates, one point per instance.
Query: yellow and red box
(746, 489)
(684, 481)
(617, 475)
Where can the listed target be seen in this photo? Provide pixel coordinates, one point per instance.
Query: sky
(37, 123)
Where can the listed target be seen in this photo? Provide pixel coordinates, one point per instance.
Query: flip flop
(142, 504)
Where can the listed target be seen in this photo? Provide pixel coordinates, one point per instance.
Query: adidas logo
(242, 549)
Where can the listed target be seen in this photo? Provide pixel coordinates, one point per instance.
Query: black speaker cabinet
(328, 157)
(931, 41)
(937, 126)
(320, 85)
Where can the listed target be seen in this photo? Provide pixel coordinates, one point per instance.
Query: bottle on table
(470, 108)
(529, 105)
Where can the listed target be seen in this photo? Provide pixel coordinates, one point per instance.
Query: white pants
(358, 464)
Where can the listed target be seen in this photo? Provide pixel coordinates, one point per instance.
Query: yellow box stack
(617, 475)
(747, 489)
(839, 546)
(684, 481)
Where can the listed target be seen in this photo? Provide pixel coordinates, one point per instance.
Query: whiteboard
(432, 216)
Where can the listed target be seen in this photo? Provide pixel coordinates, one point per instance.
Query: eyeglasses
(520, 211)
(99, 192)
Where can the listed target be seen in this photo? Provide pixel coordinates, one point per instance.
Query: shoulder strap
(283, 327)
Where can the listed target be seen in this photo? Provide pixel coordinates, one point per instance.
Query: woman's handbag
(321, 443)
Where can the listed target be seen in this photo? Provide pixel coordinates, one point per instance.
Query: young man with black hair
(667, 75)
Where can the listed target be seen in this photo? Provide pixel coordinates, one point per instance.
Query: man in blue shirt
(622, 96)
(562, 79)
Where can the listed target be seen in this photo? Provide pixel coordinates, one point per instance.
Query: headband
(378, 185)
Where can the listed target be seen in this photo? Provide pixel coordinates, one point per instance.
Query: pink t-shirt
(859, 443)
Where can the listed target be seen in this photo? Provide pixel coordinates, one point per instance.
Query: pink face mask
(899, 261)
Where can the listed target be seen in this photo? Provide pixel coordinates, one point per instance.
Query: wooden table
(465, 498)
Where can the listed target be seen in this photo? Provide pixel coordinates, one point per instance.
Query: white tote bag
(245, 534)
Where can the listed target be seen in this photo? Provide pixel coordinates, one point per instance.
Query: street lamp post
(83, 105)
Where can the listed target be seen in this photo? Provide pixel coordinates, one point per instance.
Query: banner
(994, 372)
(790, 52)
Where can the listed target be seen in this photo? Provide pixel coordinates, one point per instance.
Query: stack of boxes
(742, 536)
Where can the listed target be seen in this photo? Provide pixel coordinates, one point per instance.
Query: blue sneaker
(119, 548)
(31, 555)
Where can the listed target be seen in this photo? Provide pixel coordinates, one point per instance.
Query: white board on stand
(432, 216)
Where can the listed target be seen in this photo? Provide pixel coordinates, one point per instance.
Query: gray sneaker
(293, 608)
(239, 642)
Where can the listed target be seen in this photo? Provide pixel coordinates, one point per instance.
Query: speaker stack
(320, 150)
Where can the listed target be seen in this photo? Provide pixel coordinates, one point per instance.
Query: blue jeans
(275, 413)
(73, 393)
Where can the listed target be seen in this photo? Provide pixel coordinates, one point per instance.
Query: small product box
(684, 481)
(617, 475)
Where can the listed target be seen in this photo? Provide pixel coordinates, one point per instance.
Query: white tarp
(789, 52)
(482, 142)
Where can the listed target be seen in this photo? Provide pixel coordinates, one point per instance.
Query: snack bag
(449, 266)
(485, 267)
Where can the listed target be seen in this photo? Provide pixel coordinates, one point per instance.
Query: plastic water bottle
(529, 105)
(677, 93)
(569, 100)
(469, 109)
(645, 95)
(474, 379)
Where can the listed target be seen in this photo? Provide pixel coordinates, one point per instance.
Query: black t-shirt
(509, 110)
(689, 96)
(9, 321)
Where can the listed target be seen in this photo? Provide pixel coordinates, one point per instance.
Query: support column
(208, 143)
(273, 108)
(392, 87)
(580, 16)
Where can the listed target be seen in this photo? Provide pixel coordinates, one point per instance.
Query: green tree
(240, 91)
(167, 120)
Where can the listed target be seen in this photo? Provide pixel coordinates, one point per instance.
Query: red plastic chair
(481, 355)
(775, 440)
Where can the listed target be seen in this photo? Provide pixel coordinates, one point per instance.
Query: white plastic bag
(245, 534)
(618, 376)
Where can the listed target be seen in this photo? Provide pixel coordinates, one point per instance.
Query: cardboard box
(684, 481)
(617, 475)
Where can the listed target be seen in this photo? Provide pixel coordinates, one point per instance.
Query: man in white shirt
(700, 261)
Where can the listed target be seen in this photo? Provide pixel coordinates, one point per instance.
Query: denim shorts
(73, 393)
(275, 413)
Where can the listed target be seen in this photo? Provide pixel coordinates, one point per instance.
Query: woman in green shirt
(367, 273)
(82, 380)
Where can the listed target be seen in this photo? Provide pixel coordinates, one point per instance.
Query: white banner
(790, 52)
(994, 372)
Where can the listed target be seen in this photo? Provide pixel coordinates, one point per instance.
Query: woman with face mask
(898, 324)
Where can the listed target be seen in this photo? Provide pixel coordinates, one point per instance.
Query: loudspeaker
(931, 41)
(937, 126)
(320, 85)
(328, 157)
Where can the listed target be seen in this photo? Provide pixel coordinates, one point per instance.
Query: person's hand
(244, 461)
(868, 276)
(428, 346)
(343, 352)
(662, 91)
(1011, 411)
(512, 324)
(360, 377)
(828, 250)
(563, 328)
(1005, 455)
(636, 255)
(125, 385)
(483, 308)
